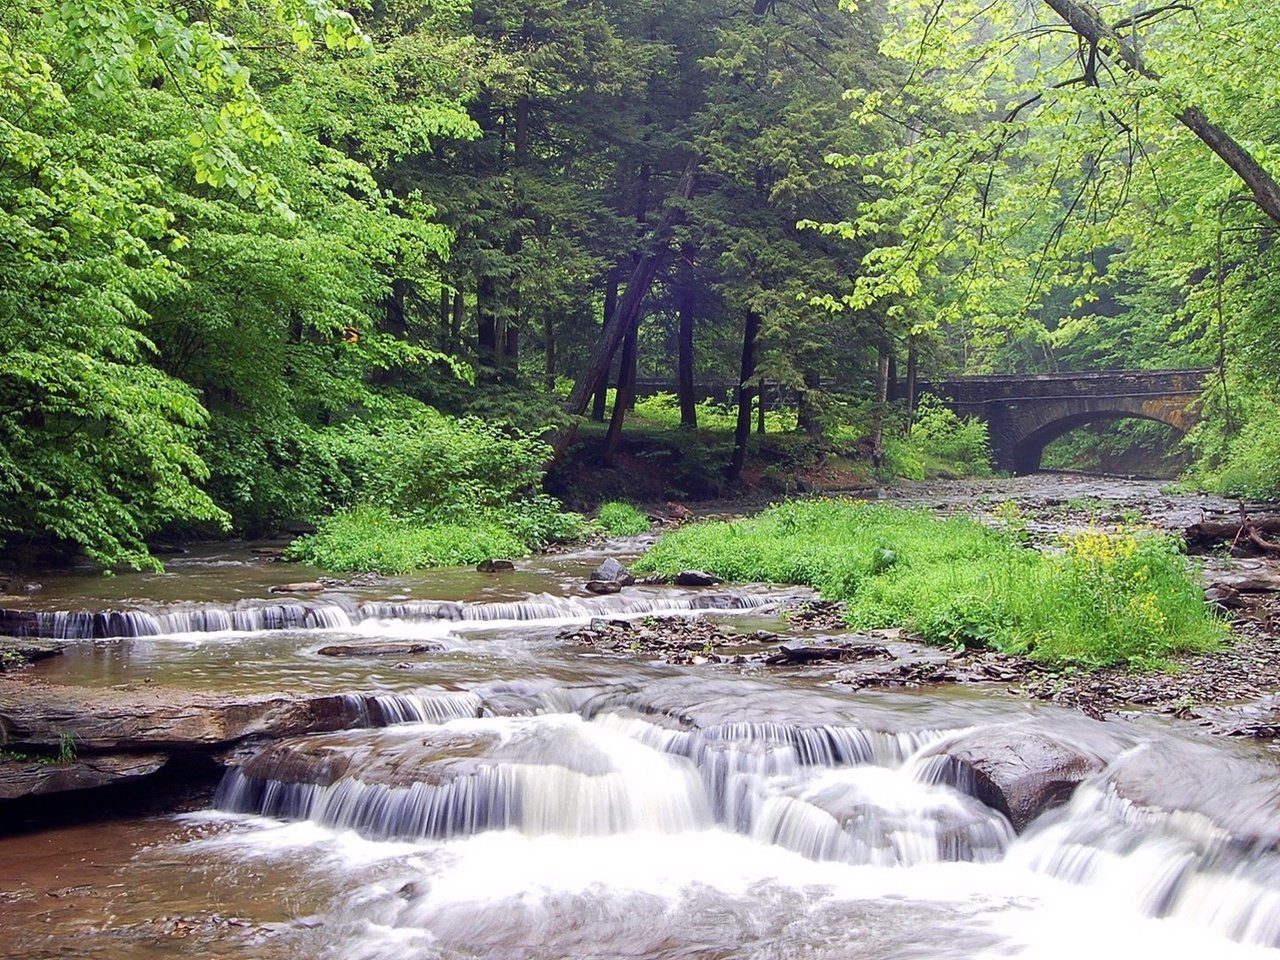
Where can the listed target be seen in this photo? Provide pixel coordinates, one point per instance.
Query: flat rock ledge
(34, 778)
(109, 736)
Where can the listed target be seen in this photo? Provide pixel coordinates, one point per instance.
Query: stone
(1017, 770)
(18, 652)
(28, 778)
(696, 578)
(612, 570)
(386, 649)
(155, 718)
(603, 586)
(309, 586)
(495, 566)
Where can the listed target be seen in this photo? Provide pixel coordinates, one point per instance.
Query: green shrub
(1246, 464)
(620, 519)
(948, 444)
(1105, 599)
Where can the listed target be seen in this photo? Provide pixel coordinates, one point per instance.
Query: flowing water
(514, 795)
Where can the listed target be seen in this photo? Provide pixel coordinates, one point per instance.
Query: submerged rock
(696, 578)
(603, 586)
(389, 648)
(495, 566)
(310, 586)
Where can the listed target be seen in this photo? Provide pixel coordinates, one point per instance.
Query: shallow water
(569, 802)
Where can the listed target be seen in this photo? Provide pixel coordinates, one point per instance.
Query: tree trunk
(1084, 20)
(912, 362)
(446, 313)
(742, 435)
(622, 399)
(760, 404)
(459, 317)
(549, 353)
(882, 401)
(807, 418)
(629, 306)
(601, 397)
(486, 321)
(685, 385)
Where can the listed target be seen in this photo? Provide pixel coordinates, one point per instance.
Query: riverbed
(509, 792)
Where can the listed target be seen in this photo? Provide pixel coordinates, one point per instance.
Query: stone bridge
(1026, 413)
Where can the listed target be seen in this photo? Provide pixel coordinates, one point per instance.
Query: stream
(509, 793)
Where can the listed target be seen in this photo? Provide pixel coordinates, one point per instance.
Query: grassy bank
(1126, 598)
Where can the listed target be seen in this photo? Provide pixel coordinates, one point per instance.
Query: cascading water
(545, 801)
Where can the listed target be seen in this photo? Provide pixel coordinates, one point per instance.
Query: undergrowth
(1104, 599)
(619, 519)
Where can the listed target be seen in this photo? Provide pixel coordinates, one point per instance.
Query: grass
(370, 539)
(619, 519)
(1105, 599)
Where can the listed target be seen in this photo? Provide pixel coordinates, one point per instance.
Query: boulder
(1014, 769)
(495, 566)
(309, 586)
(603, 586)
(26, 778)
(696, 578)
(16, 652)
(383, 649)
(612, 571)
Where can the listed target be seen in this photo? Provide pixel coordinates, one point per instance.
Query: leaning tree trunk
(746, 393)
(882, 403)
(1085, 21)
(622, 398)
(630, 304)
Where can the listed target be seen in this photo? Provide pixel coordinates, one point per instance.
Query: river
(514, 794)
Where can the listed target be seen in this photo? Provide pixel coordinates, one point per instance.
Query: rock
(25, 778)
(603, 586)
(308, 586)
(1017, 770)
(612, 570)
(1221, 595)
(495, 566)
(386, 649)
(796, 655)
(268, 552)
(38, 716)
(15, 652)
(696, 578)
(32, 587)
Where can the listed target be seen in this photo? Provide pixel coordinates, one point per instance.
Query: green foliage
(948, 444)
(663, 409)
(1106, 599)
(619, 519)
(371, 539)
(1247, 463)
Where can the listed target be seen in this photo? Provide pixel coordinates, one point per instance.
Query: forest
(273, 264)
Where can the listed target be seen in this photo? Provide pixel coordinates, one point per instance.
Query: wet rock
(16, 652)
(32, 587)
(841, 653)
(267, 552)
(26, 778)
(603, 586)
(817, 615)
(1017, 770)
(384, 649)
(1224, 597)
(612, 571)
(696, 578)
(39, 716)
(495, 566)
(307, 586)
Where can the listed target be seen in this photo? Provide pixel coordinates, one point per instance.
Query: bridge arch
(1023, 454)
(1025, 413)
